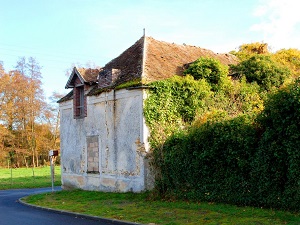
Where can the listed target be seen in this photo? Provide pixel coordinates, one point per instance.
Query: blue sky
(59, 33)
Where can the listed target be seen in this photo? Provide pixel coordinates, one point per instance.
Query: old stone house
(104, 137)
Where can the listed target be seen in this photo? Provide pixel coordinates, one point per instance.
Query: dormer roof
(85, 76)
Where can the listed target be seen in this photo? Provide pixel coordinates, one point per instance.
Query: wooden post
(52, 172)
(52, 154)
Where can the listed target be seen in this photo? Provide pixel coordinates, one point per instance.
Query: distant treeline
(29, 125)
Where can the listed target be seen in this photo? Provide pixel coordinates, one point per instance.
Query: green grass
(141, 209)
(23, 178)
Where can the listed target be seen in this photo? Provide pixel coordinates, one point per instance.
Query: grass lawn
(141, 209)
(23, 177)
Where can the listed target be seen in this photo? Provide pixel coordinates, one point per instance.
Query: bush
(244, 160)
(172, 104)
(209, 69)
(277, 164)
(262, 70)
(211, 162)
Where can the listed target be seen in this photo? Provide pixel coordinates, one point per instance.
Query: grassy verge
(23, 178)
(139, 208)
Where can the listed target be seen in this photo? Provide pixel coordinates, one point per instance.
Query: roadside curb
(78, 215)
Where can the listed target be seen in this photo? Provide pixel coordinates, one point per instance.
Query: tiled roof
(85, 76)
(88, 74)
(129, 63)
(163, 60)
(148, 60)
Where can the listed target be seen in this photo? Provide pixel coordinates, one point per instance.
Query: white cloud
(279, 22)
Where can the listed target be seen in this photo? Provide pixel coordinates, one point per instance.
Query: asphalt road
(12, 212)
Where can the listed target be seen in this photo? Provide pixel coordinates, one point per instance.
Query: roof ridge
(144, 56)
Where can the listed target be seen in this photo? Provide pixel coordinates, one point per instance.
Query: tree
(1, 68)
(29, 127)
(13, 88)
(263, 70)
(13, 91)
(247, 50)
(21, 65)
(210, 69)
(278, 157)
(22, 100)
(289, 58)
(52, 118)
(36, 102)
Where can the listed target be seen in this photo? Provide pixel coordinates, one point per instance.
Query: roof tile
(149, 60)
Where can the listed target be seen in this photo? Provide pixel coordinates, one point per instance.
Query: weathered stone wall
(114, 128)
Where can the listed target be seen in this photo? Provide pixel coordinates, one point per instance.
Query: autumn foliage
(28, 124)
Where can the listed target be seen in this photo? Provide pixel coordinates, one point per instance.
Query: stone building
(104, 137)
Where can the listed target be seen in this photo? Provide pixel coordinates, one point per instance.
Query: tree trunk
(37, 160)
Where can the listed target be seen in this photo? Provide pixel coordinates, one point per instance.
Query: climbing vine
(176, 103)
(230, 141)
(172, 104)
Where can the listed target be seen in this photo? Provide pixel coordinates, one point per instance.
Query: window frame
(93, 157)
(79, 102)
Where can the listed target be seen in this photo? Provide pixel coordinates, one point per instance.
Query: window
(79, 102)
(92, 154)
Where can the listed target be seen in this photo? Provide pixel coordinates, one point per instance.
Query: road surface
(12, 212)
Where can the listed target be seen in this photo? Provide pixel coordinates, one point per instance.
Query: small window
(79, 102)
(92, 154)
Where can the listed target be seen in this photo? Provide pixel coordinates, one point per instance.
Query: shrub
(210, 69)
(276, 169)
(244, 160)
(210, 162)
(262, 70)
(173, 103)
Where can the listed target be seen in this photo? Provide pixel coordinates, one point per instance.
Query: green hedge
(211, 162)
(244, 161)
(276, 168)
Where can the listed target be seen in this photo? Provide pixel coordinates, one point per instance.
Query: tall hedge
(244, 161)
(210, 162)
(277, 165)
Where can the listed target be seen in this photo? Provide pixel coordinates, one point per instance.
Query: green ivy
(278, 157)
(210, 162)
(245, 160)
(172, 104)
(223, 140)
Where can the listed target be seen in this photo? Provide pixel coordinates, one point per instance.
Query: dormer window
(79, 102)
(107, 77)
(81, 80)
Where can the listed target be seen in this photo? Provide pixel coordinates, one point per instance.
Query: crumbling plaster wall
(116, 118)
